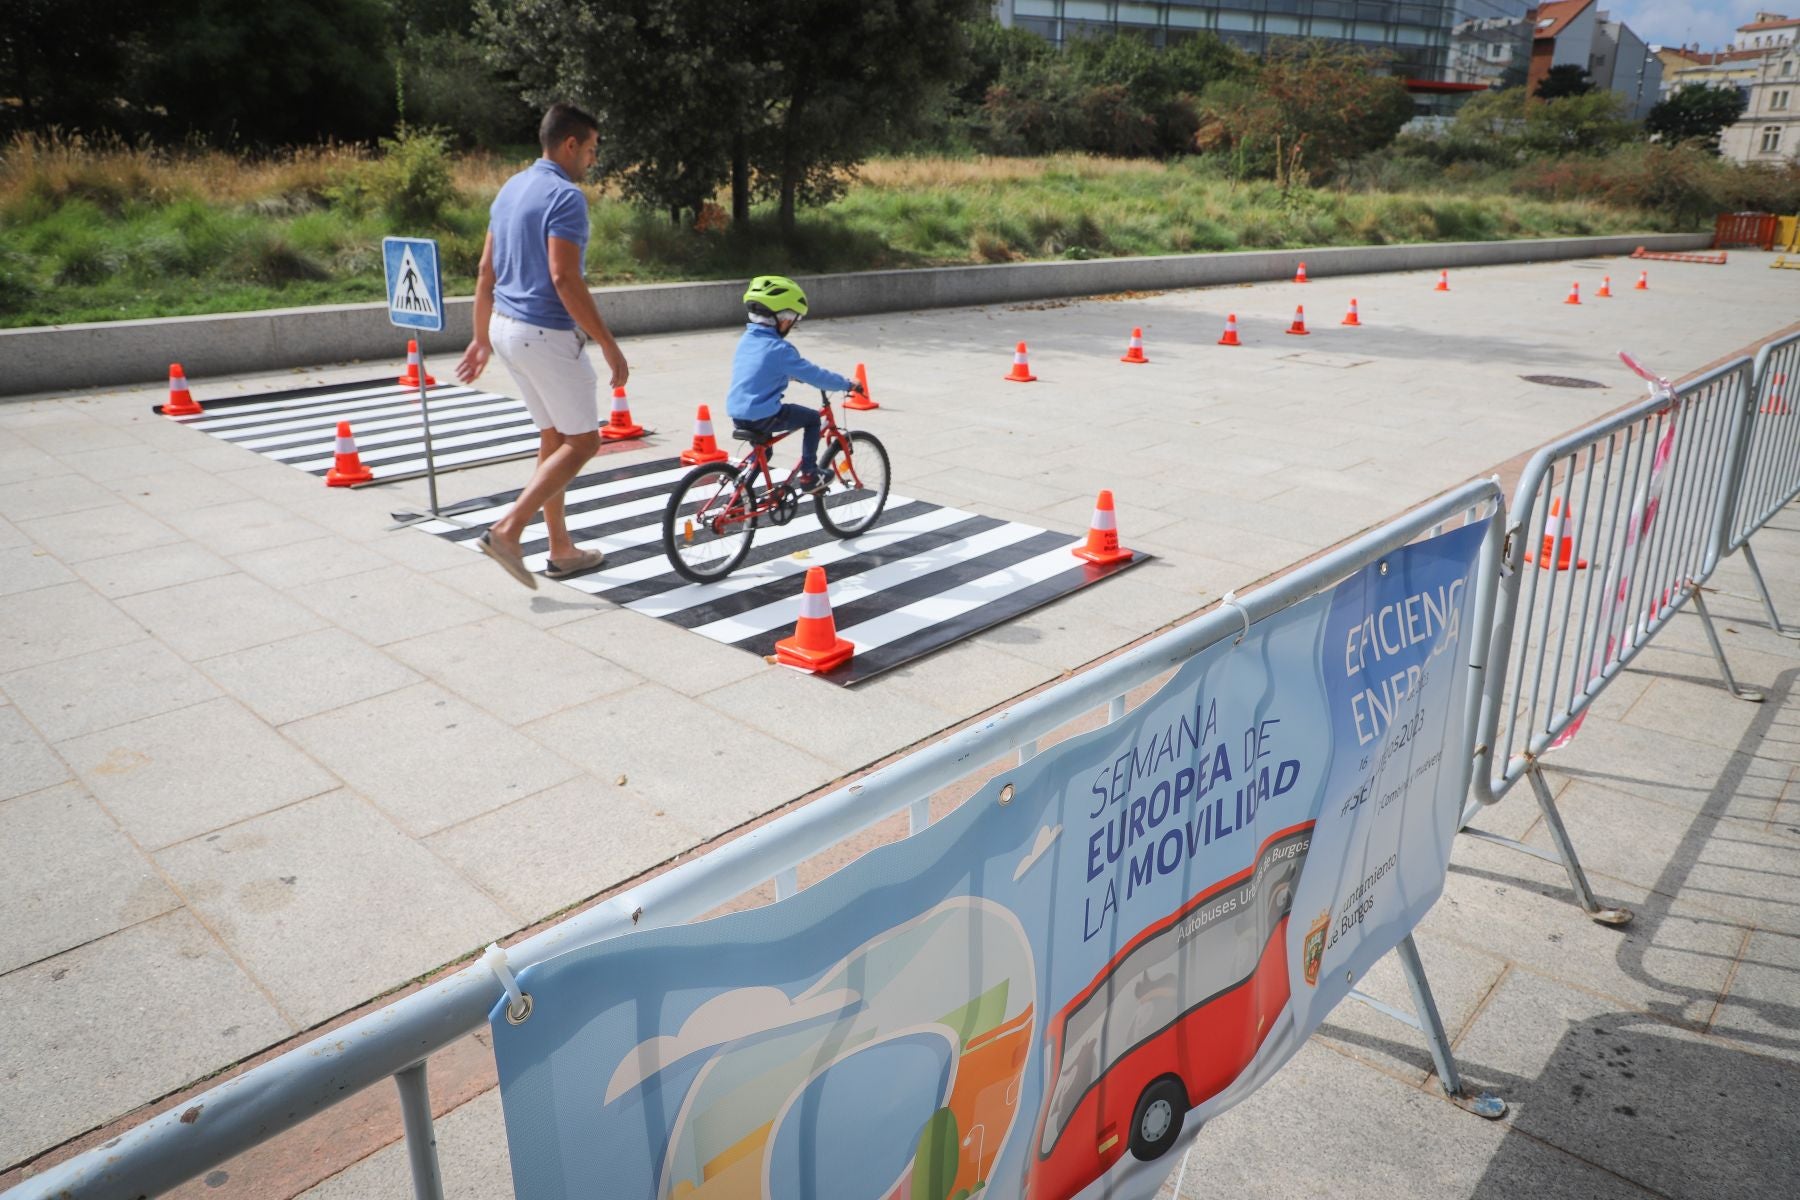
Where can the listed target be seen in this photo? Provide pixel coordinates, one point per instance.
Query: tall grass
(106, 231)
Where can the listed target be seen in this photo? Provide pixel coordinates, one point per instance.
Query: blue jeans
(795, 416)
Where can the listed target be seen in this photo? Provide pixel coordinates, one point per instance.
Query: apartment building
(1769, 130)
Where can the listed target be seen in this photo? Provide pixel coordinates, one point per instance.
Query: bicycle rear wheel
(709, 523)
(856, 486)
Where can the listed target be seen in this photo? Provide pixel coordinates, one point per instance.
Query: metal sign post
(415, 292)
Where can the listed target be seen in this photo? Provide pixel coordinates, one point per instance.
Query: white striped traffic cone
(348, 469)
(1021, 368)
(1102, 546)
(706, 447)
(815, 645)
(620, 426)
(181, 402)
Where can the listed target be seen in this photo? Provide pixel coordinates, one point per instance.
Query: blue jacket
(761, 369)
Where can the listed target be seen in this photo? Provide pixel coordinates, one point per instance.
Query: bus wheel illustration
(1156, 1123)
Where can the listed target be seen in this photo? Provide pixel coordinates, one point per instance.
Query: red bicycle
(711, 518)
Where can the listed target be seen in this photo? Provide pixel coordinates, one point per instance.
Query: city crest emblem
(1312, 950)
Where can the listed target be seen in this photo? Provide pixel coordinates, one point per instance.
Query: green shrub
(411, 183)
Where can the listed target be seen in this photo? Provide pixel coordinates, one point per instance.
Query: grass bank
(107, 234)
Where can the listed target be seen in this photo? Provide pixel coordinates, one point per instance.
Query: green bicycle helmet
(772, 295)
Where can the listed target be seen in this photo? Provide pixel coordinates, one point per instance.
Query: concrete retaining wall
(114, 352)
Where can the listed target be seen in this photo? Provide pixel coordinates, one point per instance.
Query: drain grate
(1568, 381)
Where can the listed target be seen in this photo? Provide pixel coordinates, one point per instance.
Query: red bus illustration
(1167, 1024)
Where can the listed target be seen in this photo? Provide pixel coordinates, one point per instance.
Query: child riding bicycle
(765, 363)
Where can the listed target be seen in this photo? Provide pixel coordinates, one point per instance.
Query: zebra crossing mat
(469, 427)
(924, 577)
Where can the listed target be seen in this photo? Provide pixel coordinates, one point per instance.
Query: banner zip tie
(518, 1004)
(1230, 600)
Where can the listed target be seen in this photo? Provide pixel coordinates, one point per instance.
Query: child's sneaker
(809, 481)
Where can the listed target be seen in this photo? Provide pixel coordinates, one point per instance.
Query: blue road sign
(415, 290)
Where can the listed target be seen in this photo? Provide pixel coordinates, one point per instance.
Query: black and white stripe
(469, 427)
(925, 577)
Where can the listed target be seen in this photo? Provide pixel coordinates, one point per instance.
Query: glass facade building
(1414, 36)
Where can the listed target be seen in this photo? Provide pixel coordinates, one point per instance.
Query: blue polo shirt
(537, 204)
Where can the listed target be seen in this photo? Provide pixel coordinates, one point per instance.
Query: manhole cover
(1568, 381)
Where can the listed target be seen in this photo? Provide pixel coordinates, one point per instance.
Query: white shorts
(558, 384)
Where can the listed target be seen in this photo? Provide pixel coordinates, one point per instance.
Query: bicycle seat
(756, 437)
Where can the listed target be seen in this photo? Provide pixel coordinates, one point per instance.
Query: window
(1787, 68)
(1034, 8)
(1771, 139)
(1778, 100)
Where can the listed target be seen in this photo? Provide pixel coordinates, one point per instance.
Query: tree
(1566, 80)
(262, 72)
(1586, 124)
(779, 99)
(672, 106)
(64, 66)
(842, 80)
(443, 78)
(1695, 112)
(1312, 106)
(269, 72)
(1491, 114)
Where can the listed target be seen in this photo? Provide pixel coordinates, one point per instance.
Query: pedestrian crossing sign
(415, 290)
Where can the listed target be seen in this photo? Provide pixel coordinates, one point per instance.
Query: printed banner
(1047, 993)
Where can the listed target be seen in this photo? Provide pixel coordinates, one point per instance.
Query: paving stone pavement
(254, 742)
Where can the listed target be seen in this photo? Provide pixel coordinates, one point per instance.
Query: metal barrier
(1632, 508)
(397, 1040)
(1769, 479)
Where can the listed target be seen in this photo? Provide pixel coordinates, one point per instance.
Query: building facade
(1493, 51)
(1769, 31)
(1769, 131)
(1414, 36)
(1622, 63)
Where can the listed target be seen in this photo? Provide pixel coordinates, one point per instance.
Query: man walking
(533, 308)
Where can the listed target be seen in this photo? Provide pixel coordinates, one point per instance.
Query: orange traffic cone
(411, 378)
(1776, 404)
(1300, 275)
(1350, 318)
(1134, 353)
(1559, 547)
(1605, 292)
(1298, 328)
(1643, 283)
(1443, 283)
(620, 426)
(1102, 546)
(1574, 296)
(705, 448)
(1021, 368)
(815, 645)
(181, 401)
(348, 469)
(1230, 338)
(865, 401)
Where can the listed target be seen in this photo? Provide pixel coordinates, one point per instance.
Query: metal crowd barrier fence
(398, 1040)
(1769, 479)
(1631, 509)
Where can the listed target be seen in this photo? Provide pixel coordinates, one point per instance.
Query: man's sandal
(511, 560)
(584, 561)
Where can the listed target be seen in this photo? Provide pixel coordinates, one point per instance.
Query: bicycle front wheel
(709, 523)
(856, 486)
